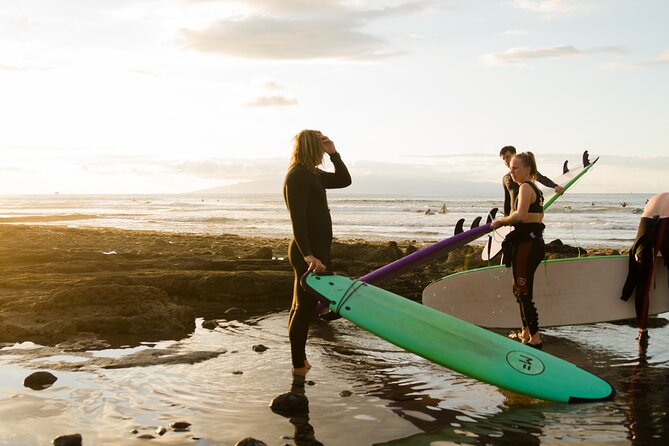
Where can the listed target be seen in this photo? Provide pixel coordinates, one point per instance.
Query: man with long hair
(309, 250)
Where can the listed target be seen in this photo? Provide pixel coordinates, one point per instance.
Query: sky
(175, 96)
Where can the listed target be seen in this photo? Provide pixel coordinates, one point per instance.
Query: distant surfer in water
(309, 250)
(524, 247)
(652, 237)
(511, 187)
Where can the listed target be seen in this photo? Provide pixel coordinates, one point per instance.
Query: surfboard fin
(458, 226)
(475, 223)
(565, 168)
(586, 159)
(491, 215)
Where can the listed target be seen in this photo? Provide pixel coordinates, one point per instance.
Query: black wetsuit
(652, 237)
(304, 193)
(524, 249)
(511, 190)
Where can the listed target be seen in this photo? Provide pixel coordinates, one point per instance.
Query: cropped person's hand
(328, 145)
(314, 264)
(496, 223)
(559, 190)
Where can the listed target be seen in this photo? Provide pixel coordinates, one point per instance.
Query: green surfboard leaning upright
(570, 183)
(456, 344)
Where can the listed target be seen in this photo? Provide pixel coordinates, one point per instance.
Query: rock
(345, 393)
(82, 342)
(180, 425)
(259, 348)
(365, 252)
(410, 250)
(210, 324)
(161, 430)
(224, 251)
(289, 404)
(557, 249)
(149, 357)
(234, 312)
(68, 440)
(113, 311)
(245, 286)
(396, 249)
(237, 372)
(146, 437)
(264, 252)
(39, 380)
(250, 441)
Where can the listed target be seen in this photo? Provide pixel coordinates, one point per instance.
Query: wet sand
(117, 317)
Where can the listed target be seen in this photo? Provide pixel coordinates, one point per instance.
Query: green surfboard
(456, 344)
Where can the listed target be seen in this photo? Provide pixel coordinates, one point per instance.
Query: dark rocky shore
(106, 287)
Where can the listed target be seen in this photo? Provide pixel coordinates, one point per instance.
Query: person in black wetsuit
(525, 244)
(309, 250)
(652, 237)
(511, 187)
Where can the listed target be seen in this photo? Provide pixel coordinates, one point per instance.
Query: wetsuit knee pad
(520, 288)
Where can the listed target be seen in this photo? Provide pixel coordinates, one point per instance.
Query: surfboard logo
(525, 363)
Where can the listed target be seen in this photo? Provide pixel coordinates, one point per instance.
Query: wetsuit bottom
(527, 256)
(302, 309)
(652, 237)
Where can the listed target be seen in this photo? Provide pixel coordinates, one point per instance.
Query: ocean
(584, 220)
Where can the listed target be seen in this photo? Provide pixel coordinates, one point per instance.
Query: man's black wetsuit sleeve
(339, 178)
(545, 180)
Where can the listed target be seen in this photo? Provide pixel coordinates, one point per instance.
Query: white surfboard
(494, 244)
(566, 292)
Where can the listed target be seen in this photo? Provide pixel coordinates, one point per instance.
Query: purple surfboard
(424, 255)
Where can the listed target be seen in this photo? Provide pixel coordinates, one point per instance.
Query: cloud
(16, 68)
(520, 55)
(515, 32)
(550, 9)
(277, 97)
(272, 85)
(229, 169)
(277, 100)
(660, 59)
(300, 29)
(9, 68)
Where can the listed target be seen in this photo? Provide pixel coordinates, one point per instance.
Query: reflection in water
(431, 398)
(304, 431)
(646, 416)
(509, 427)
(392, 397)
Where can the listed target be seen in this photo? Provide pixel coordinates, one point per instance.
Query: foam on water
(587, 220)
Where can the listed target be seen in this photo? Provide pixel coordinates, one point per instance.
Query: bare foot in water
(535, 341)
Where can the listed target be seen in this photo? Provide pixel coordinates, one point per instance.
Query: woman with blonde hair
(309, 250)
(524, 246)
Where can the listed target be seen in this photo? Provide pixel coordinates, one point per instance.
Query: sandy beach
(145, 329)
